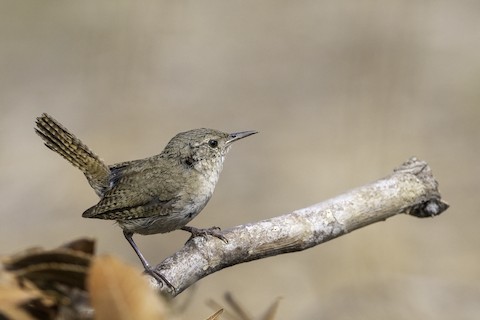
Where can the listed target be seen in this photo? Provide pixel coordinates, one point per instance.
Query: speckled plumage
(158, 194)
(164, 192)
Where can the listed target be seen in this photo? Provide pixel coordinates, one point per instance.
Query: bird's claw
(159, 277)
(198, 232)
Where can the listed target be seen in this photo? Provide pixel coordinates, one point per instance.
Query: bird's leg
(197, 232)
(148, 269)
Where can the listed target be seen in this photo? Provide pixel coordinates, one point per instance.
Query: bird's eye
(213, 143)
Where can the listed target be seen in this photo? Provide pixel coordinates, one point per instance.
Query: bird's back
(151, 196)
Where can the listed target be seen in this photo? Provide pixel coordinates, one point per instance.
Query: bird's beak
(232, 137)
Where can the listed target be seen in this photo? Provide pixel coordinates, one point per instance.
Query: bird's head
(200, 148)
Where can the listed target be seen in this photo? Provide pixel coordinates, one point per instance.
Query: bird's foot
(198, 232)
(159, 277)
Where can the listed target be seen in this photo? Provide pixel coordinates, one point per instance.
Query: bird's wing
(137, 193)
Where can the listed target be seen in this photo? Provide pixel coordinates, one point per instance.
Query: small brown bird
(158, 194)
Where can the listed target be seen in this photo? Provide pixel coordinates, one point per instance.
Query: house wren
(158, 194)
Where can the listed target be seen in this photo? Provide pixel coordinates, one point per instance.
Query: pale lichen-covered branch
(410, 189)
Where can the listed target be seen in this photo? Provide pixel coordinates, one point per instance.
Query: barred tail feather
(63, 142)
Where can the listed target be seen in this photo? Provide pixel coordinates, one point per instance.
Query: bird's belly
(178, 217)
(155, 224)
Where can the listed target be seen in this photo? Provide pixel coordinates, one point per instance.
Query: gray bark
(410, 189)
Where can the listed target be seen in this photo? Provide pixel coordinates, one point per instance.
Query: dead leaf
(118, 291)
(65, 266)
(14, 298)
(85, 245)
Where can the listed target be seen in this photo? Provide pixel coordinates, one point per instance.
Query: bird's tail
(63, 142)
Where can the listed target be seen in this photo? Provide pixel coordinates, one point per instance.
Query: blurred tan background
(341, 92)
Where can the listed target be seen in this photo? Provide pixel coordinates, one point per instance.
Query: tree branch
(411, 189)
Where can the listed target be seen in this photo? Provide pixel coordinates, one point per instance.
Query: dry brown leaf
(47, 269)
(56, 276)
(118, 291)
(13, 313)
(13, 298)
(85, 245)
